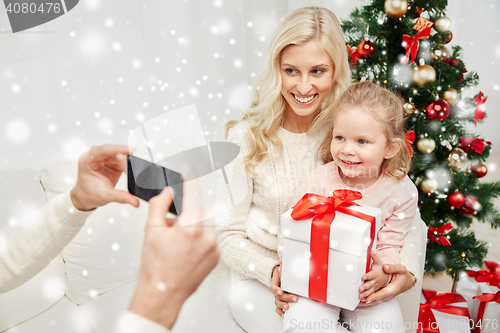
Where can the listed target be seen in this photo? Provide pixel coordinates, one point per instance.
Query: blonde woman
(280, 137)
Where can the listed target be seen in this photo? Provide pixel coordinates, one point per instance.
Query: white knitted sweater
(248, 232)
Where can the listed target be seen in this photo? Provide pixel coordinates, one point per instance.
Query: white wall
(99, 71)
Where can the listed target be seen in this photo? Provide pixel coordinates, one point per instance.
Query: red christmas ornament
(450, 37)
(470, 205)
(479, 113)
(366, 48)
(455, 199)
(480, 170)
(439, 109)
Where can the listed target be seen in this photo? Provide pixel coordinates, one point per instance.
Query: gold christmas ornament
(395, 8)
(442, 24)
(426, 145)
(457, 158)
(409, 108)
(441, 52)
(450, 95)
(423, 74)
(429, 185)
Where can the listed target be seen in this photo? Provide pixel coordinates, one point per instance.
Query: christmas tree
(403, 45)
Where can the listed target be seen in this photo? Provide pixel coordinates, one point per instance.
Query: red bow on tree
(411, 44)
(491, 275)
(440, 303)
(479, 113)
(484, 299)
(410, 138)
(437, 234)
(475, 144)
(355, 56)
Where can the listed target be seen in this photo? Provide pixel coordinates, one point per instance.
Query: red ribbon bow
(476, 144)
(411, 44)
(440, 303)
(355, 56)
(479, 113)
(436, 234)
(410, 138)
(484, 299)
(491, 275)
(322, 210)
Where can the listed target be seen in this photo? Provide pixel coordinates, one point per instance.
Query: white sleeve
(130, 322)
(412, 254)
(29, 246)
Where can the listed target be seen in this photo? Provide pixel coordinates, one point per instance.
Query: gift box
(470, 280)
(326, 247)
(443, 312)
(486, 309)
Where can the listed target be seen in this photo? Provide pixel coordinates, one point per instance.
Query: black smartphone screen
(146, 180)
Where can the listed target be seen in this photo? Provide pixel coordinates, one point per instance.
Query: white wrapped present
(325, 262)
(443, 312)
(487, 309)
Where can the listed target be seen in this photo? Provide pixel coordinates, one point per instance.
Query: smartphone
(147, 179)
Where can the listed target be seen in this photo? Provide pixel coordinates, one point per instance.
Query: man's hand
(175, 260)
(98, 172)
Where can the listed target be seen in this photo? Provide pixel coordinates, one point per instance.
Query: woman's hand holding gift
(281, 298)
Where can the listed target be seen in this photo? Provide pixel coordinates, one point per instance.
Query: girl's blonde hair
(387, 108)
(266, 113)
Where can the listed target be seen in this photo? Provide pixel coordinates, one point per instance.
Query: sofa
(91, 282)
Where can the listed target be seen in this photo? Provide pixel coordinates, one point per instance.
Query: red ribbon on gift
(491, 275)
(411, 44)
(484, 299)
(322, 211)
(436, 234)
(479, 113)
(410, 138)
(355, 56)
(440, 303)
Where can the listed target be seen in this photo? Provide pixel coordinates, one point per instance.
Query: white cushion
(103, 311)
(105, 254)
(63, 317)
(207, 310)
(21, 195)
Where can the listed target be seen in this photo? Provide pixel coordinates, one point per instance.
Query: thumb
(121, 197)
(376, 258)
(394, 268)
(158, 207)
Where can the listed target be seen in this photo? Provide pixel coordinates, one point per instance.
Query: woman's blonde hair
(386, 107)
(266, 113)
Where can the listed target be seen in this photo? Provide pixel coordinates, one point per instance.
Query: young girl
(370, 156)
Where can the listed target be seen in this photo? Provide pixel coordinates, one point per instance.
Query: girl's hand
(375, 279)
(281, 298)
(402, 280)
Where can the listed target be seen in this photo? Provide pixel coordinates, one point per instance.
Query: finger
(192, 204)
(282, 305)
(287, 297)
(107, 150)
(366, 285)
(366, 293)
(121, 197)
(280, 312)
(394, 268)
(369, 276)
(383, 294)
(158, 207)
(376, 258)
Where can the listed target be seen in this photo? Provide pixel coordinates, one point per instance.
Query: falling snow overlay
(99, 72)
